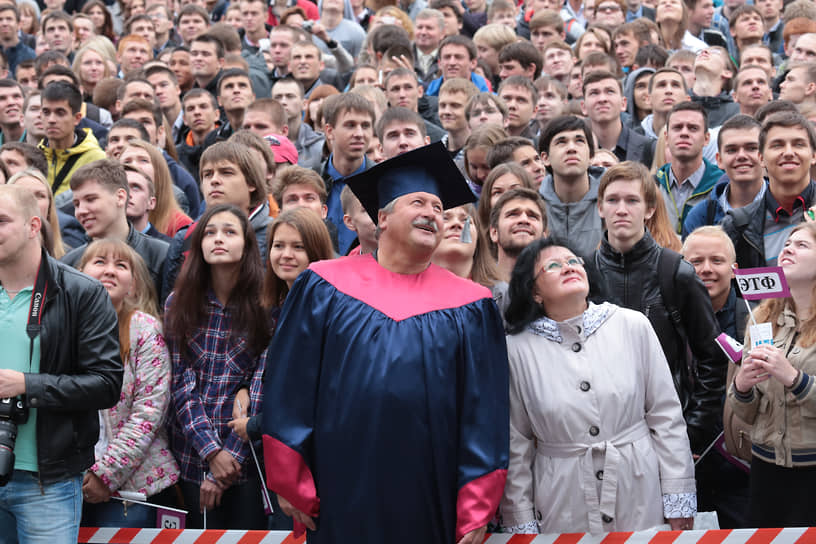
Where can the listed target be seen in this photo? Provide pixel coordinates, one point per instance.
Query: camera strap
(36, 306)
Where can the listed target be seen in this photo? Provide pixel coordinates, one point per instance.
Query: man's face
(253, 15)
(145, 29)
(739, 155)
(454, 61)
(351, 134)
(452, 111)
(428, 34)
(685, 68)
(32, 117)
(97, 208)
(626, 47)
(520, 106)
(710, 60)
(505, 17)
(568, 155)
(224, 183)
(305, 63)
(805, 49)
(204, 59)
(544, 35)
(513, 67)
(260, 123)
(770, 9)
(415, 225)
(58, 119)
(557, 62)
(8, 24)
(550, 105)
(796, 85)
(609, 13)
(289, 97)
(667, 90)
(190, 26)
(140, 203)
(528, 158)
(302, 196)
(624, 210)
(748, 27)
(15, 231)
(11, 106)
(280, 47)
(712, 262)
(166, 91)
(759, 56)
(400, 137)
(161, 23)
(138, 89)
(575, 85)
(702, 14)
(403, 91)
(199, 114)
(27, 77)
(686, 135)
(236, 93)
(787, 155)
(484, 112)
(520, 222)
(452, 24)
(14, 160)
(118, 139)
(180, 65)
(146, 119)
(58, 36)
(603, 101)
(752, 90)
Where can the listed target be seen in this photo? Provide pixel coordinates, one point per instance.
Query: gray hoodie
(576, 223)
(629, 93)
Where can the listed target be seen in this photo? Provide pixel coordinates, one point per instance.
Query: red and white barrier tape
(91, 535)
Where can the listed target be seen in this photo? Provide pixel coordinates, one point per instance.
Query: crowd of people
(423, 268)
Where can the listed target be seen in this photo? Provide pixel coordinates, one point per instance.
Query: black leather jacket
(630, 280)
(80, 370)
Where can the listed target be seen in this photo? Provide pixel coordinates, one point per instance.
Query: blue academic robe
(386, 403)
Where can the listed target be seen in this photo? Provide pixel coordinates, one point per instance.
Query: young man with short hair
(58, 31)
(689, 177)
(288, 93)
(521, 151)
(100, 198)
(743, 183)
(281, 38)
(667, 87)
(799, 85)
(201, 116)
(305, 65)
(603, 103)
(357, 219)
(122, 132)
(192, 21)
(759, 55)
(570, 189)
(787, 148)
(453, 96)
(400, 130)
(545, 27)
(66, 148)
(713, 71)
(162, 16)
(168, 93)
(521, 98)
(752, 89)
(132, 53)
(11, 110)
(519, 59)
(207, 60)
(558, 60)
(349, 128)
(552, 100)
(402, 88)
(141, 201)
(626, 41)
(14, 51)
(630, 269)
(517, 218)
(747, 28)
(457, 59)
(234, 96)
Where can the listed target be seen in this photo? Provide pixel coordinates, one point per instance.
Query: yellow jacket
(63, 163)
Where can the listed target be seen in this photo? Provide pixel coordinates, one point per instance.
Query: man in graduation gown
(385, 409)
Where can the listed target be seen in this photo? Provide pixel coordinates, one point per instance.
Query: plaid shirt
(207, 372)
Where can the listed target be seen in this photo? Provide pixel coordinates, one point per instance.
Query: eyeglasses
(556, 266)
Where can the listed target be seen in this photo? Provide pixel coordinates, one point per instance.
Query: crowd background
(193, 157)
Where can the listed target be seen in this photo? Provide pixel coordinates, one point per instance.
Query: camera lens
(8, 435)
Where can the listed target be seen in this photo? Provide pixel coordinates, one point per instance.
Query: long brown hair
(143, 297)
(771, 308)
(661, 228)
(107, 26)
(316, 241)
(188, 311)
(163, 215)
(485, 271)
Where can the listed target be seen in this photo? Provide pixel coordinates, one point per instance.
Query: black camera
(12, 412)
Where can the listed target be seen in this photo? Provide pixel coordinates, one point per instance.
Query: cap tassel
(466, 237)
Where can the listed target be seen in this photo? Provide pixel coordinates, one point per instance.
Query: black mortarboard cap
(428, 169)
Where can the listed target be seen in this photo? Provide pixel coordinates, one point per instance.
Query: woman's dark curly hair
(523, 309)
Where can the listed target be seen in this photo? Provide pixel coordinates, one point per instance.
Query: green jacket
(663, 177)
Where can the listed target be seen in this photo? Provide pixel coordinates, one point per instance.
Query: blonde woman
(33, 180)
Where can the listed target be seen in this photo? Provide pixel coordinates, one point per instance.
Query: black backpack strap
(667, 265)
(63, 173)
(711, 211)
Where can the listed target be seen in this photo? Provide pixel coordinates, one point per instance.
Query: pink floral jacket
(137, 457)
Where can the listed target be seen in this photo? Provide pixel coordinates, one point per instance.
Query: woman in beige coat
(597, 437)
(773, 390)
